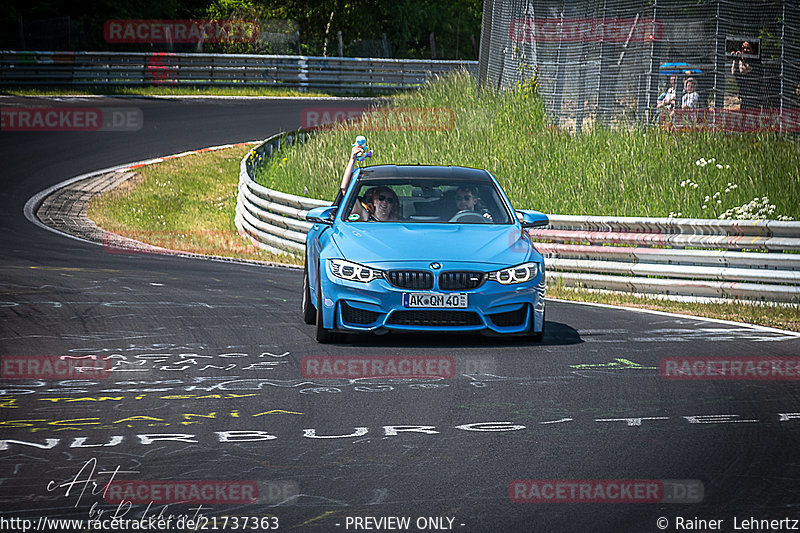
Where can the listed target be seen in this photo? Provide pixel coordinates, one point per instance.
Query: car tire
(308, 309)
(324, 336)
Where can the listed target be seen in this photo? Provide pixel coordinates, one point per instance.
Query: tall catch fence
(610, 61)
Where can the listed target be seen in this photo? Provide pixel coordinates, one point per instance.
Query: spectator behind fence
(747, 71)
(666, 101)
(690, 100)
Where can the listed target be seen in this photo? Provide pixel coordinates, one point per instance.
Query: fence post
(302, 73)
(558, 87)
(651, 74)
(487, 22)
(601, 93)
(719, 92)
(783, 60)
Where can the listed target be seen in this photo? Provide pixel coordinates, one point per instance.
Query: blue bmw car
(433, 267)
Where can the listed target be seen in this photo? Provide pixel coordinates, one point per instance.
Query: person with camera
(746, 68)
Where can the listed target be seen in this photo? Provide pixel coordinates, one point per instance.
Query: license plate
(435, 300)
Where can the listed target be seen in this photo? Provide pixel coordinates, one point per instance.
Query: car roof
(424, 171)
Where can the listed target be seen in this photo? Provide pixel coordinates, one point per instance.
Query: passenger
(348, 170)
(379, 204)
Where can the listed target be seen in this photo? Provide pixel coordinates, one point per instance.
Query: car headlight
(516, 274)
(353, 271)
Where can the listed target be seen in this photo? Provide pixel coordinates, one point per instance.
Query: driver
(467, 200)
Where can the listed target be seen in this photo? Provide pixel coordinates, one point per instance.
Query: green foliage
(407, 24)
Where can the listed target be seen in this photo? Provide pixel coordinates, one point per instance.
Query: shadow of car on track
(556, 334)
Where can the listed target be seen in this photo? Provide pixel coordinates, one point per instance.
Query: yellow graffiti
(19, 423)
(9, 403)
(320, 517)
(138, 417)
(100, 399)
(188, 417)
(226, 396)
(76, 424)
(618, 363)
(229, 395)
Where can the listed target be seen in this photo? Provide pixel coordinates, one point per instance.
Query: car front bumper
(377, 306)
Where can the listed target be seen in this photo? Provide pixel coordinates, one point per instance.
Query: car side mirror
(322, 215)
(532, 219)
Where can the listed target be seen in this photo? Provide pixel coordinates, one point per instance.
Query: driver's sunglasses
(387, 199)
(465, 198)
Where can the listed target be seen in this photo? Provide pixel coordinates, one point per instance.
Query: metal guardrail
(732, 259)
(161, 68)
(273, 220)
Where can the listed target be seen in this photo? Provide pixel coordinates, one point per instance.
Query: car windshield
(428, 200)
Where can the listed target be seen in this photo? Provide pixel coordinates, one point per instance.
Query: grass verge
(786, 317)
(187, 204)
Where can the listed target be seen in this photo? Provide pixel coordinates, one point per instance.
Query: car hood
(377, 243)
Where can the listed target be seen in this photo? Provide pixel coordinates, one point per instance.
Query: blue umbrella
(671, 69)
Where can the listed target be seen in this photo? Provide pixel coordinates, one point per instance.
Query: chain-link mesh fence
(734, 64)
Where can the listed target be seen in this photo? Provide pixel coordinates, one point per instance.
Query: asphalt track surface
(201, 348)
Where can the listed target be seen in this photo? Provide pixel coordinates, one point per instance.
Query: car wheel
(309, 311)
(324, 336)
